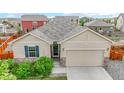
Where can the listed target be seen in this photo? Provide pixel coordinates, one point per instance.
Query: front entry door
(55, 48)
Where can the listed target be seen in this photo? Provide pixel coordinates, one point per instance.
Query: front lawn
(49, 78)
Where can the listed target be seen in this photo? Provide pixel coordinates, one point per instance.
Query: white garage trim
(84, 49)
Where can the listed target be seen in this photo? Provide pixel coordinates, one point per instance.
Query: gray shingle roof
(57, 30)
(34, 18)
(67, 17)
(41, 35)
(98, 23)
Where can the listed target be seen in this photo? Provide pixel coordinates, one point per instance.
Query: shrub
(10, 63)
(43, 66)
(22, 70)
(4, 72)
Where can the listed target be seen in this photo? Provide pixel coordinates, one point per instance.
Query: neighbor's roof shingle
(34, 18)
(67, 17)
(98, 23)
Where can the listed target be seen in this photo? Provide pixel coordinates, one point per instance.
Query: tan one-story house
(72, 44)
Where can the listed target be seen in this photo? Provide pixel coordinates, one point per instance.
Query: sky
(91, 8)
(61, 6)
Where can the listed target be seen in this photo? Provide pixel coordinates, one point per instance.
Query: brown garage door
(84, 57)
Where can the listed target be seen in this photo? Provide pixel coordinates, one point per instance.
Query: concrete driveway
(87, 73)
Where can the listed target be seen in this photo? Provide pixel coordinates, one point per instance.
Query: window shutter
(26, 51)
(37, 51)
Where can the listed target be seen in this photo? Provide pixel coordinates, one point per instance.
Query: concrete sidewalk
(87, 73)
(58, 70)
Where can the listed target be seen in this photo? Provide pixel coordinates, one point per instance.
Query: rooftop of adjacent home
(98, 23)
(67, 17)
(34, 18)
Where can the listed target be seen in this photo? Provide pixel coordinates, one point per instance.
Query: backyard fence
(1, 41)
(4, 45)
(8, 55)
(116, 53)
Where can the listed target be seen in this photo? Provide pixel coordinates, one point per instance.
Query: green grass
(48, 78)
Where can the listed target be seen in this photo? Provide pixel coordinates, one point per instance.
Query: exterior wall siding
(28, 25)
(19, 51)
(84, 40)
(120, 23)
(40, 23)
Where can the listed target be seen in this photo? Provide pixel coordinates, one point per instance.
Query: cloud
(11, 16)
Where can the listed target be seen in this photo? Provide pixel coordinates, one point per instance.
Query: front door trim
(53, 51)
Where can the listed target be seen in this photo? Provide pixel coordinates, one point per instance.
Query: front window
(32, 51)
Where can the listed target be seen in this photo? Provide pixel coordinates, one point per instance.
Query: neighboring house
(13, 21)
(31, 22)
(9, 28)
(100, 26)
(2, 28)
(74, 45)
(74, 19)
(120, 22)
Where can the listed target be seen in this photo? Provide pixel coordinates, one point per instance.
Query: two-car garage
(85, 49)
(84, 57)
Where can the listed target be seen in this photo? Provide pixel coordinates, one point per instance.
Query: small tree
(18, 28)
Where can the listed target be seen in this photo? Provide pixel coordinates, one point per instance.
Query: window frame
(33, 51)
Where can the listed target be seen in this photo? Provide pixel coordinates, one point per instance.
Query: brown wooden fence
(116, 53)
(4, 45)
(8, 55)
(1, 41)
